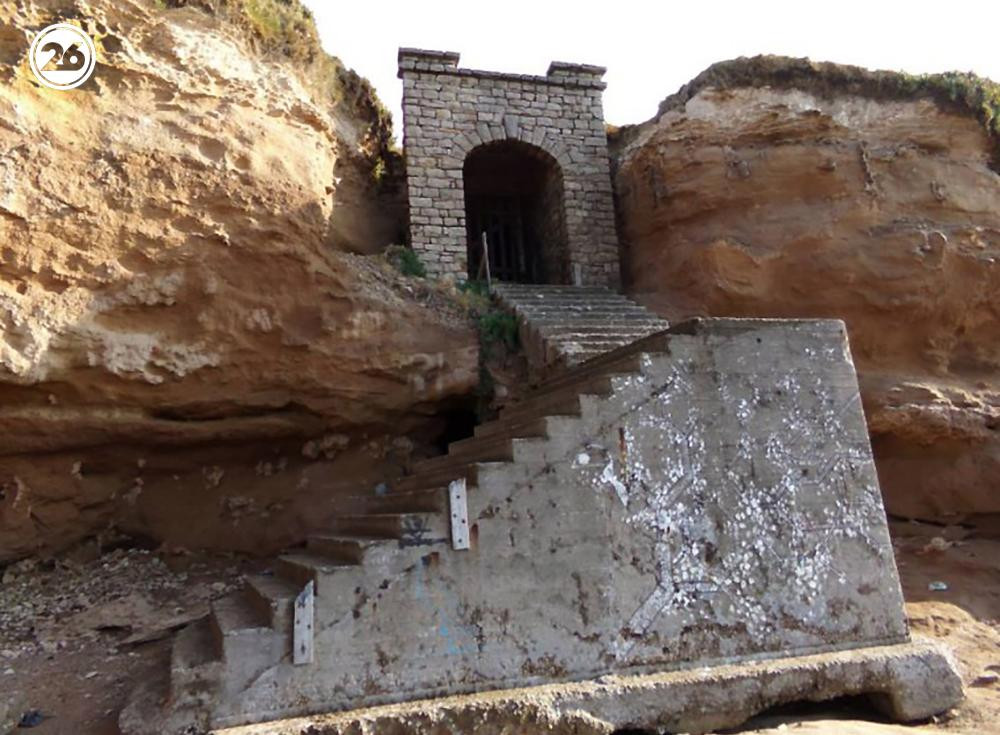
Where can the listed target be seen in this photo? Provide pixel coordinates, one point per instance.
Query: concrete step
(348, 549)
(302, 567)
(610, 366)
(651, 344)
(563, 304)
(528, 296)
(274, 597)
(604, 341)
(501, 287)
(437, 479)
(568, 407)
(446, 466)
(562, 326)
(585, 347)
(570, 335)
(195, 664)
(497, 450)
(524, 296)
(557, 300)
(420, 501)
(478, 444)
(532, 427)
(561, 401)
(522, 412)
(598, 343)
(560, 300)
(591, 311)
(238, 626)
(571, 330)
(578, 357)
(381, 526)
(597, 360)
(554, 327)
(580, 380)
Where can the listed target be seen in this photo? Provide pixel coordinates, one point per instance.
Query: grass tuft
(406, 261)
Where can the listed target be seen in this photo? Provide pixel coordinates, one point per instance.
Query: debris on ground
(47, 606)
(31, 718)
(78, 630)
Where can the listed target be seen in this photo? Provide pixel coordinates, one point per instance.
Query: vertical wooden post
(486, 259)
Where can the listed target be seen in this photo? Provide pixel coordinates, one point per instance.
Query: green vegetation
(474, 288)
(498, 336)
(278, 22)
(497, 327)
(406, 261)
(977, 94)
(379, 171)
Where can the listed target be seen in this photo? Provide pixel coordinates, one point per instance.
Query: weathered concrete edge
(909, 681)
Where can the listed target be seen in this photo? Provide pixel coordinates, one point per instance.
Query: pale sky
(652, 48)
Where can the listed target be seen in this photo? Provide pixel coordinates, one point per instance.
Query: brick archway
(511, 130)
(448, 112)
(514, 195)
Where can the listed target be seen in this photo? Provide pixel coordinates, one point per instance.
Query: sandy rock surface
(826, 202)
(191, 341)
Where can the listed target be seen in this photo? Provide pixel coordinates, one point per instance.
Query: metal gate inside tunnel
(514, 196)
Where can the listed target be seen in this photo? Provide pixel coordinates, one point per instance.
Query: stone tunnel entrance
(514, 193)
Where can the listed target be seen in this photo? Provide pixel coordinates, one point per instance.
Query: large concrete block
(923, 683)
(706, 530)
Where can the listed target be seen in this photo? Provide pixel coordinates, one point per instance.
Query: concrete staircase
(216, 662)
(563, 326)
(570, 492)
(217, 659)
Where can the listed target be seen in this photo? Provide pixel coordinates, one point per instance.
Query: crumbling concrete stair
(699, 498)
(563, 326)
(216, 659)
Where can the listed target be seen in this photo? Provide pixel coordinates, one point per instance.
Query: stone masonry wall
(447, 112)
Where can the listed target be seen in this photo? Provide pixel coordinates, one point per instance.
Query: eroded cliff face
(826, 197)
(191, 348)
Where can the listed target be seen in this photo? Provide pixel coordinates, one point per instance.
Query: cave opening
(514, 194)
(458, 422)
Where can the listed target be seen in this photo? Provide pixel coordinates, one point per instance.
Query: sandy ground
(76, 634)
(966, 616)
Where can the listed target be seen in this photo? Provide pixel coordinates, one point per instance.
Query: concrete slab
(910, 681)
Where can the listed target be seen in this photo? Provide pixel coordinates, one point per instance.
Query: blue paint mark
(458, 639)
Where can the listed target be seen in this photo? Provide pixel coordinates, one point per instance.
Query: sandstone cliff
(191, 348)
(777, 187)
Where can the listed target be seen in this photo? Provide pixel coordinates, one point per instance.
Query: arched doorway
(514, 193)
